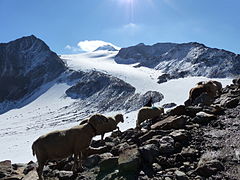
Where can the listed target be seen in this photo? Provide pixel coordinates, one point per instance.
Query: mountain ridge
(190, 59)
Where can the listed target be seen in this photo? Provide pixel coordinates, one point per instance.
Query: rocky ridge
(25, 65)
(194, 142)
(182, 60)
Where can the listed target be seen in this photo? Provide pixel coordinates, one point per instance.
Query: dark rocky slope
(182, 60)
(194, 142)
(26, 64)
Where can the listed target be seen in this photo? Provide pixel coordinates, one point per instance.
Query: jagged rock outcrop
(26, 64)
(181, 60)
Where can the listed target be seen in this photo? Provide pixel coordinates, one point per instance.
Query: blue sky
(62, 24)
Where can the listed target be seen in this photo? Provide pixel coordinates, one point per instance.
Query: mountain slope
(25, 65)
(91, 83)
(182, 60)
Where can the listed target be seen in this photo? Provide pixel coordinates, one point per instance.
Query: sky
(73, 26)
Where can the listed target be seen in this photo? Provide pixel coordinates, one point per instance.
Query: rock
(189, 152)
(65, 175)
(180, 135)
(171, 122)
(32, 175)
(129, 161)
(151, 133)
(5, 168)
(149, 153)
(92, 161)
(156, 167)
(29, 167)
(168, 105)
(164, 78)
(204, 118)
(119, 148)
(231, 103)
(180, 175)
(166, 145)
(209, 168)
(214, 109)
(193, 110)
(179, 110)
(108, 164)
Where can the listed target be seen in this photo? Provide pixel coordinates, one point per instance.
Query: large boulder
(171, 122)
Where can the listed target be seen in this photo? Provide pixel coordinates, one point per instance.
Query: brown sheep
(146, 113)
(64, 143)
(211, 88)
(106, 124)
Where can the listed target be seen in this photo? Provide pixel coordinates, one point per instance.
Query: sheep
(106, 124)
(64, 143)
(214, 86)
(211, 88)
(146, 113)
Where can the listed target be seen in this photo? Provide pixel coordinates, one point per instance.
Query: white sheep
(64, 143)
(106, 124)
(146, 113)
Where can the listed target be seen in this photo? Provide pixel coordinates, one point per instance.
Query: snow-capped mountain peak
(107, 47)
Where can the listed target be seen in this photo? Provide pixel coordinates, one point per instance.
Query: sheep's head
(119, 118)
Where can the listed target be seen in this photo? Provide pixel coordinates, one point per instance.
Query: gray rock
(231, 103)
(180, 175)
(129, 161)
(179, 110)
(65, 175)
(189, 152)
(171, 122)
(108, 164)
(180, 135)
(209, 168)
(166, 145)
(204, 118)
(149, 153)
(169, 105)
(92, 161)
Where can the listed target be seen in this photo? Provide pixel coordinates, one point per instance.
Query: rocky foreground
(194, 142)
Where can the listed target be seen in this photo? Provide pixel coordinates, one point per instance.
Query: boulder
(129, 161)
(180, 175)
(166, 145)
(92, 161)
(180, 135)
(168, 105)
(204, 118)
(5, 168)
(230, 103)
(179, 110)
(209, 168)
(149, 153)
(109, 164)
(171, 122)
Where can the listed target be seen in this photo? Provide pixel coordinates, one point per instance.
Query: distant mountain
(26, 64)
(106, 48)
(181, 60)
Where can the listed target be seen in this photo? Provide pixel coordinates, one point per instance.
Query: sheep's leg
(75, 164)
(40, 169)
